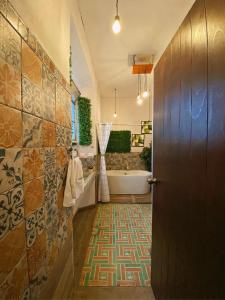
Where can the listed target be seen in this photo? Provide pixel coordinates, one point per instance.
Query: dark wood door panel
(215, 205)
(188, 256)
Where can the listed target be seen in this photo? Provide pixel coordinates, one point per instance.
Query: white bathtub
(128, 182)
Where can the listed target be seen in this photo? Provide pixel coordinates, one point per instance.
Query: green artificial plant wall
(85, 124)
(119, 141)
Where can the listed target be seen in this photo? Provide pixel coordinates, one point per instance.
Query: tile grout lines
(119, 248)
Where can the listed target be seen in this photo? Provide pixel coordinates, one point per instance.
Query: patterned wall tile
(67, 109)
(36, 255)
(33, 195)
(63, 230)
(39, 51)
(35, 225)
(32, 41)
(10, 44)
(16, 283)
(10, 85)
(33, 163)
(12, 16)
(3, 7)
(59, 109)
(12, 247)
(32, 131)
(12, 210)
(37, 282)
(63, 106)
(10, 169)
(52, 254)
(68, 137)
(32, 97)
(49, 158)
(48, 134)
(31, 65)
(62, 157)
(122, 161)
(48, 107)
(60, 136)
(10, 132)
(23, 30)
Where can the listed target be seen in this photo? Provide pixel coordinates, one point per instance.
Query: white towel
(74, 182)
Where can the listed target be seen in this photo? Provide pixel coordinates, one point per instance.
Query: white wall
(128, 113)
(50, 23)
(57, 25)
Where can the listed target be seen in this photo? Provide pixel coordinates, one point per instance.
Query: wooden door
(188, 249)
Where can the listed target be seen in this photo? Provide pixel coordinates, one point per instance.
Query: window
(74, 118)
(73, 111)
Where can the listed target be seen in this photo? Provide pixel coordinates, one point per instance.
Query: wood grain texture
(188, 256)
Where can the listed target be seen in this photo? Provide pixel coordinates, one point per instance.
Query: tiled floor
(119, 248)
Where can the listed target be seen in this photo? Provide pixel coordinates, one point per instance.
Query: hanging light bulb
(139, 99)
(115, 113)
(116, 27)
(145, 93)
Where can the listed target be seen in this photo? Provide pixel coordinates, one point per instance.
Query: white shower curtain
(103, 131)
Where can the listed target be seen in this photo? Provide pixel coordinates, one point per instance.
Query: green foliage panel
(119, 141)
(85, 124)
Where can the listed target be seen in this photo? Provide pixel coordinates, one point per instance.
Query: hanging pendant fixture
(116, 27)
(145, 93)
(139, 99)
(115, 113)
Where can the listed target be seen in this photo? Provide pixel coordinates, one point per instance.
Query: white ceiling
(147, 28)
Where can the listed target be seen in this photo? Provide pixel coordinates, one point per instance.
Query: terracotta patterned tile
(60, 136)
(68, 137)
(10, 85)
(16, 283)
(59, 109)
(12, 247)
(33, 163)
(10, 132)
(33, 195)
(48, 82)
(63, 106)
(3, 7)
(12, 16)
(12, 210)
(49, 134)
(48, 107)
(49, 158)
(35, 225)
(32, 131)
(60, 197)
(31, 65)
(36, 255)
(10, 44)
(67, 109)
(62, 157)
(32, 97)
(10, 169)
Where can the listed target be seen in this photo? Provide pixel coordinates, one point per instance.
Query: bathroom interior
(76, 145)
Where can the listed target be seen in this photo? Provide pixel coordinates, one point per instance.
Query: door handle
(152, 180)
